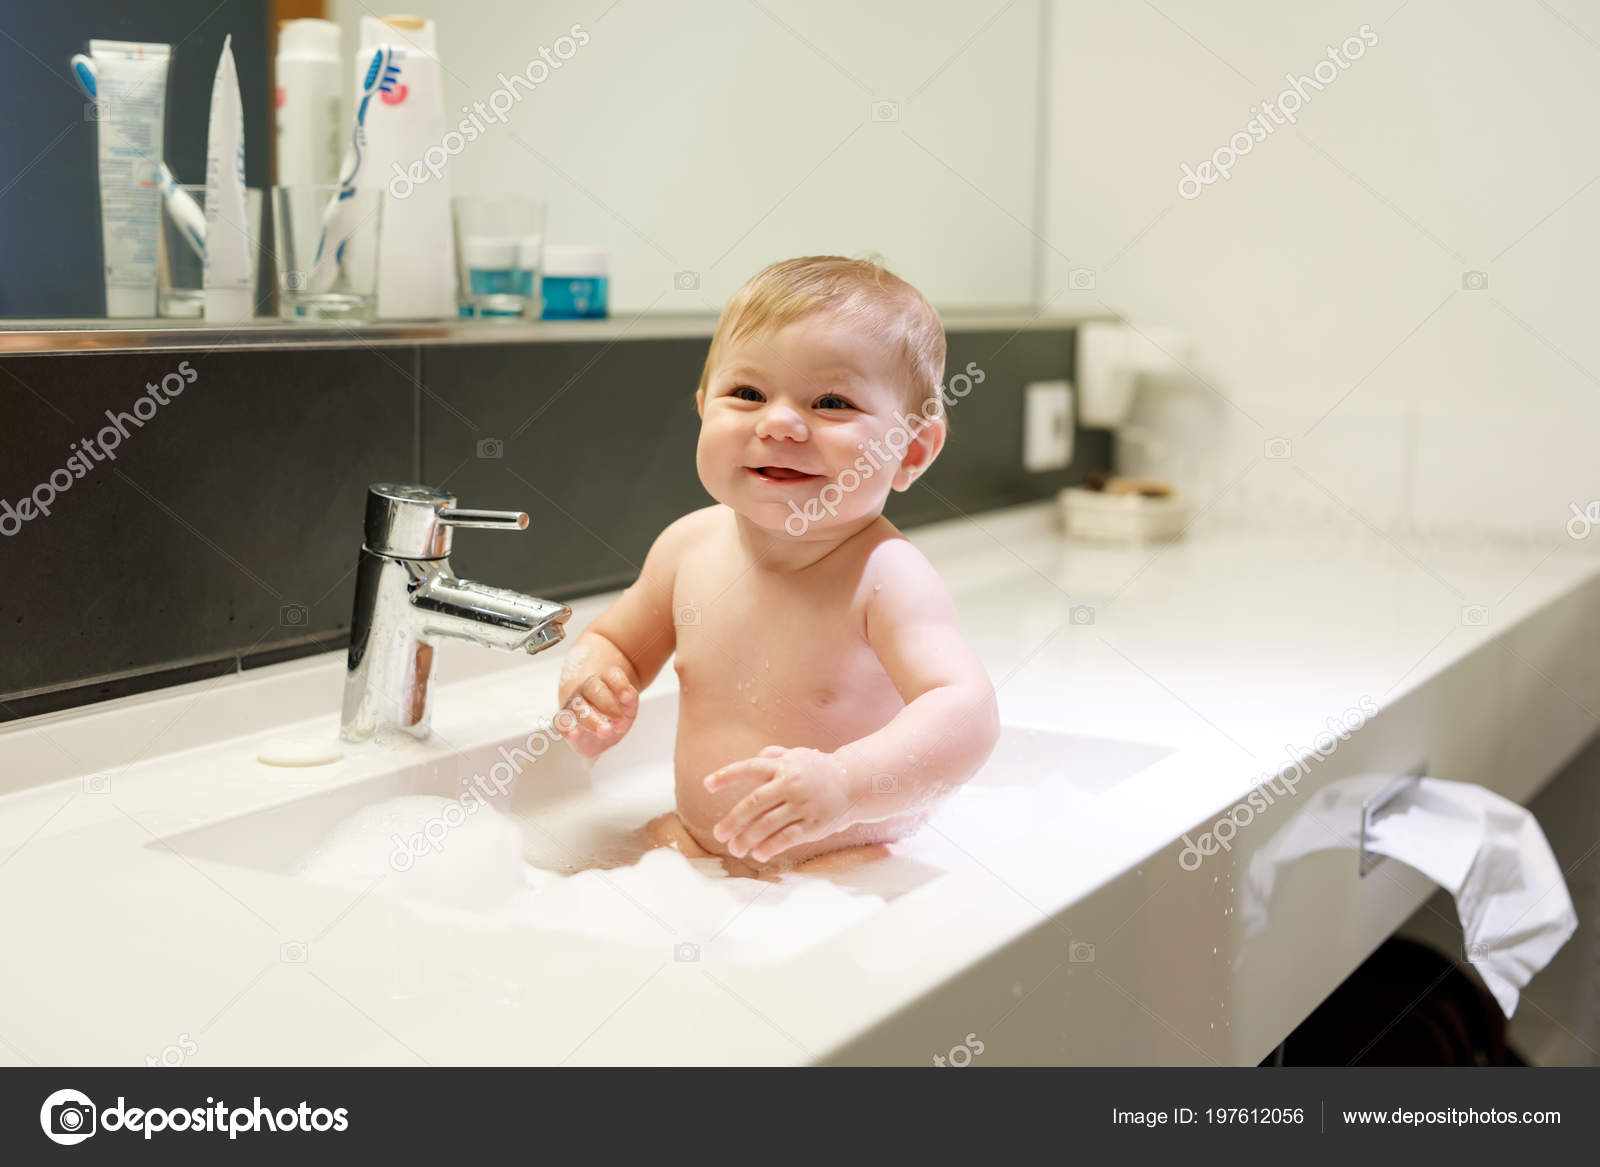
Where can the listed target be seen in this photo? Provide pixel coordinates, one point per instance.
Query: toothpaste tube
(130, 97)
(227, 270)
(183, 209)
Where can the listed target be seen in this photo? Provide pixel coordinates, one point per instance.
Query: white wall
(1323, 280)
(720, 135)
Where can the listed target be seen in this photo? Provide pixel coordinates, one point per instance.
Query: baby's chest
(746, 640)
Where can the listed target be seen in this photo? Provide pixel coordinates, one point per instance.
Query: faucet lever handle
(492, 520)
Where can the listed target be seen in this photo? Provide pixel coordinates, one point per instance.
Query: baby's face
(804, 429)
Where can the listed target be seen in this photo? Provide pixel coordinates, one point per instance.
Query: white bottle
(309, 80)
(404, 131)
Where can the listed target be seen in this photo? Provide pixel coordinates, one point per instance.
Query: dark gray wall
(225, 532)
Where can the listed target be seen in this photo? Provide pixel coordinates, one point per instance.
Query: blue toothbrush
(383, 76)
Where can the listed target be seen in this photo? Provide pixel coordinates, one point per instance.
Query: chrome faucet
(407, 599)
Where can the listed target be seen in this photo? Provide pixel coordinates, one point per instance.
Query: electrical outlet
(1047, 425)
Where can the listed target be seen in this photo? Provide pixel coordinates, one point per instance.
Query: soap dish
(1122, 518)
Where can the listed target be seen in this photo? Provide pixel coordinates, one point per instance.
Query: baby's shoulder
(676, 540)
(891, 564)
(692, 528)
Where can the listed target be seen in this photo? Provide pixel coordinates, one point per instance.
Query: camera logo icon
(1583, 521)
(292, 952)
(1081, 952)
(1277, 449)
(1474, 281)
(295, 281)
(686, 281)
(491, 448)
(685, 953)
(1082, 614)
(688, 614)
(886, 111)
(294, 616)
(1081, 279)
(97, 784)
(1474, 615)
(883, 784)
(67, 1117)
(91, 111)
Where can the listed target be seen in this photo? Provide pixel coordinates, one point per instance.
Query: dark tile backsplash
(224, 533)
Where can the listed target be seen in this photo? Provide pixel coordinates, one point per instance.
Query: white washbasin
(556, 843)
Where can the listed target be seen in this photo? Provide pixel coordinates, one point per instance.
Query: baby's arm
(622, 651)
(941, 738)
(951, 720)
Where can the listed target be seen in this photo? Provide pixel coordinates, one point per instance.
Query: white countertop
(1227, 646)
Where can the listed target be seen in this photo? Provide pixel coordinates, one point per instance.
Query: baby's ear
(700, 403)
(924, 448)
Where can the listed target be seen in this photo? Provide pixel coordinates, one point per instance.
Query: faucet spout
(492, 617)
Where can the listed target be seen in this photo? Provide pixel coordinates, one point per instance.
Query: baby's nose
(779, 421)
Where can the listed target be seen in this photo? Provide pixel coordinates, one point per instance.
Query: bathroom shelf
(24, 337)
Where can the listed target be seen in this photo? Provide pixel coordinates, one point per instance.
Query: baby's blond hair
(860, 290)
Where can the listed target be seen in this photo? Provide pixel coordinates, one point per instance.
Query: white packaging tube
(416, 250)
(227, 270)
(131, 100)
(309, 82)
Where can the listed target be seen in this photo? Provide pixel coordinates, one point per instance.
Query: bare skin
(827, 697)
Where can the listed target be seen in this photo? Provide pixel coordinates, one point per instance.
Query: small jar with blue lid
(575, 282)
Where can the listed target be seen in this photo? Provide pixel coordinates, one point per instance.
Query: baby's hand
(803, 796)
(599, 712)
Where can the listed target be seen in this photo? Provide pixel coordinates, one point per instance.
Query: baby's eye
(833, 401)
(747, 393)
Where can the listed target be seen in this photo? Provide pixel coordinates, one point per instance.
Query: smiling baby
(827, 699)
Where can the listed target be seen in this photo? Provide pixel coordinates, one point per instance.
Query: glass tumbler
(499, 254)
(181, 266)
(327, 251)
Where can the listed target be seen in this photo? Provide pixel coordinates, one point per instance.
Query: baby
(827, 699)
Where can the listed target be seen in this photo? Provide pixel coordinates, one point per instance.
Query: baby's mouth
(780, 474)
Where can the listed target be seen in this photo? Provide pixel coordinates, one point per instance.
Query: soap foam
(478, 877)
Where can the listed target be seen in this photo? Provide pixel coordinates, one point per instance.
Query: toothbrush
(181, 206)
(383, 76)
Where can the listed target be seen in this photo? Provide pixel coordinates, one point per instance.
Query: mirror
(688, 144)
